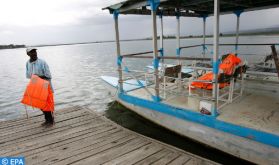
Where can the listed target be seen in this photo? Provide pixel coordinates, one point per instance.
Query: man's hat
(30, 49)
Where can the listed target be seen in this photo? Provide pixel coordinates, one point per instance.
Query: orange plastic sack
(38, 94)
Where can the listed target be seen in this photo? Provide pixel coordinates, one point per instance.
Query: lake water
(76, 71)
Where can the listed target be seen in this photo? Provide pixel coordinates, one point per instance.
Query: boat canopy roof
(191, 8)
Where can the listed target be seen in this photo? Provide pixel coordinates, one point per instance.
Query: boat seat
(172, 72)
(229, 69)
(169, 79)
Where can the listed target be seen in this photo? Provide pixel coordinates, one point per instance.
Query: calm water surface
(76, 70)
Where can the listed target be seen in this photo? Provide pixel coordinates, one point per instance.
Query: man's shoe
(49, 124)
(44, 123)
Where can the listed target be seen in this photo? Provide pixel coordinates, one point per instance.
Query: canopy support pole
(237, 13)
(119, 57)
(216, 56)
(178, 49)
(154, 5)
(162, 36)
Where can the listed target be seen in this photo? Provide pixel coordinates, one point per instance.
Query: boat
(239, 118)
(266, 64)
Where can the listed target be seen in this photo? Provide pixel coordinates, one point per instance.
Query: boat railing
(179, 85)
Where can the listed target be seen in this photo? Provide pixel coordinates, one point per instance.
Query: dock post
(178, 49)
(154, 5)
(216, 56)
(204, 34)
(237, 13)
(275, 57)
(119, 57)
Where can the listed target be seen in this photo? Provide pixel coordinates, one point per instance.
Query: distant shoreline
(165, 37)
(12, 46)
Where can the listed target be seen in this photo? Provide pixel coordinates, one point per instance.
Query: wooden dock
(81, 136)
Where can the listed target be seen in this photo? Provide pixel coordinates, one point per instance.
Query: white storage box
(206, 106)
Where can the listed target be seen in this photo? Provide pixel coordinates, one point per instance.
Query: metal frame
(237, 13)
(118, 51)
(216, 55)
(161, 36)
(191, 8)
(154, 6)
(166, 8)
(204, 35)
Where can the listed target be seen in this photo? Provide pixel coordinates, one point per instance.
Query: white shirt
(39, 68)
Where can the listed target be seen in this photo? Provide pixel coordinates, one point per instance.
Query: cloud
(6, 32)
(49, 12)
(66, 21)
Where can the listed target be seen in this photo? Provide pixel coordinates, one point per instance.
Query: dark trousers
(49, 116)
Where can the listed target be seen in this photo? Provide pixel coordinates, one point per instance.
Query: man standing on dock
(40, 68)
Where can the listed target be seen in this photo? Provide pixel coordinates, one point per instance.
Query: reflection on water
(76, 69)
(128, 119)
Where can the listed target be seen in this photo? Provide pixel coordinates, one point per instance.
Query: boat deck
(255, 111)
(257, 108)
(81, 136)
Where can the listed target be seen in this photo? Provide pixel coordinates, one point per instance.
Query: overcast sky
(33, 22)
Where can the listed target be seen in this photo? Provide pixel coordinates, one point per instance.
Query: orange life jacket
(38, 94)
(227, 65)
(208, 86)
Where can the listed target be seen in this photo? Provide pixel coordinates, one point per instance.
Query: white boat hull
(240, 147)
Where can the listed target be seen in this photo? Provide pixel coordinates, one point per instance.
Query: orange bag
(38, 94)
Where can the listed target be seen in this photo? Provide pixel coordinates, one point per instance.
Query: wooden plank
(31, 121)
(168, 158)
(81, 137)
(154, 157)
(36, 118)
(64, 110)
(70, 150)
(66, 122)
(114, 152)
(136, 155)
(29, 126)
(82, 126)
(93, 150)
(71, 135)
(46, 131)
(180, 160)
(198, 162)
(58, 121)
